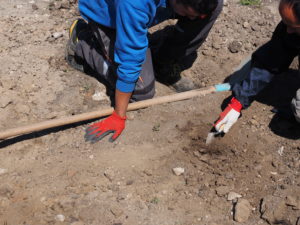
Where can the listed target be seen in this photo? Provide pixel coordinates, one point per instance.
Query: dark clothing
(272, 58)
(185, 39)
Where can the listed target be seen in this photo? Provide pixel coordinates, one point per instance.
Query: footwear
(77, 27)
(184, 84)
(169, 74)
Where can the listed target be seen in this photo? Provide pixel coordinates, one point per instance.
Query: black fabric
(277, 54)
(272, 58)
(187, 36)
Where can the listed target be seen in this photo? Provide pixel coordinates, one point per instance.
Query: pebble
(242, 210)
(3, 171)
(57, 35)
(222, 190)
(234, 47)
(60, 218)
(245, 24)
(34, 6)
(232, 196)
(116, 211)
(5, 101)
(99, 96)
(293, 201)
(280, 150)
(178, 171)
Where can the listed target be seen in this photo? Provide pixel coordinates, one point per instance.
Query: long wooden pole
(105, 112)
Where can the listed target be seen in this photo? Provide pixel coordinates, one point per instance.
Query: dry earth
(55, 177)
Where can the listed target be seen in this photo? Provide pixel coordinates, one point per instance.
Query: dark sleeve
(277, 54)
(256, 80)
(188, 35)
(272, 58)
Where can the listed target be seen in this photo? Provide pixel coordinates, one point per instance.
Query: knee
(296, 106)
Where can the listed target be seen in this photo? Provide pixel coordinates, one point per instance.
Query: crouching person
(112, 41)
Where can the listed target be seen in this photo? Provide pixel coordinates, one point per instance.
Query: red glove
(229, 116)
(113, 124)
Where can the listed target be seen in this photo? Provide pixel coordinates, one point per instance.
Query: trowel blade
(212, 135)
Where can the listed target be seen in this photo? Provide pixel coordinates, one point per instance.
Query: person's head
(290, 14)
(194, 8)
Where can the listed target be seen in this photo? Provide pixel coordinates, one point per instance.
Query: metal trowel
(213, 134)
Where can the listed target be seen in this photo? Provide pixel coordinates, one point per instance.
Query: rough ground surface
(54, 177)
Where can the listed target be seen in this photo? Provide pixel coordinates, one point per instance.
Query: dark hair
(201, 6)
(295, 5)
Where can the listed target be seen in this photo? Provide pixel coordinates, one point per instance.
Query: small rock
(280, 150)
(129, 182)
(222, 190)
(293, 201)
(34, 6)
(245, 24)
(109, 174)
(235, 47)
(281, 169)
(6, 191)
(116, 211)
(5, 101)
(178, 171)
(3, 171)
(242, 210)
(99, 96)
(60, 218)
(148, 172)
(57, 35)
(273, 209)
(232, 196)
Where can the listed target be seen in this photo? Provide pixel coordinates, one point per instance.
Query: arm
(272, 58)
(188, 35)
(130, 53)
(130, 49)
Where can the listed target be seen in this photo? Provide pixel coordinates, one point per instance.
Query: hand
(113, 124)
(229, 116)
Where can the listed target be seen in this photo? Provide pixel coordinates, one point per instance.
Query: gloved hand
(229, 116)
(113, 124)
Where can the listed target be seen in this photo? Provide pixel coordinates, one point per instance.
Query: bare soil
(55, 177)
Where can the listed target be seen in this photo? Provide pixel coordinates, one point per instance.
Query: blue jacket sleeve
(131, 43)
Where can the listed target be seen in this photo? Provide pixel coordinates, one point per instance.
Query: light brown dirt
(130, 182)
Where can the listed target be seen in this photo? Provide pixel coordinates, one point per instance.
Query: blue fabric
(256, 80)
(131, 19)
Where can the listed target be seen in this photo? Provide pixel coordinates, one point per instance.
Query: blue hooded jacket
(131, 19)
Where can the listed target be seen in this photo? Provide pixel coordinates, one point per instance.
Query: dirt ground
(55, 177)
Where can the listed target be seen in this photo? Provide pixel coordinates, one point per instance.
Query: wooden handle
(105, 112)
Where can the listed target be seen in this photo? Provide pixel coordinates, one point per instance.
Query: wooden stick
(105, 112)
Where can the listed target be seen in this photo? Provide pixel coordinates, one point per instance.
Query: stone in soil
(232, 196)
(273, 209)
(242, 210)
(178, 171)
(235, 47)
